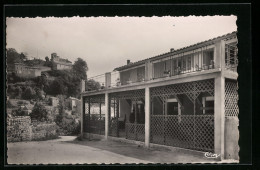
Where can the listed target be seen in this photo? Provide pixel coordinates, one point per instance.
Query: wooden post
(106, 115)
(82, 116)
(147, 117)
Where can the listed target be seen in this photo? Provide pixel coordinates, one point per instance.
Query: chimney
(128, 62)
(172, 49)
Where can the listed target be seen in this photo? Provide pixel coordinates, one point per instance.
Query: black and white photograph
(122, 89)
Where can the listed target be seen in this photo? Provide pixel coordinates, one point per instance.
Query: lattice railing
(191, 129)
(135, 131)
(95, 122)
(133, 95)
(231, 98)
(186, 131)
(128, 130)
(191, 89)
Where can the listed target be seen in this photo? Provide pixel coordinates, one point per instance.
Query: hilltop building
(185, 98)
(23, 70)
(60, 63)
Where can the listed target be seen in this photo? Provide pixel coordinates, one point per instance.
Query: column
(82, 116)
(219, 115)
(106, 115)
(147, 117)
(219, 54)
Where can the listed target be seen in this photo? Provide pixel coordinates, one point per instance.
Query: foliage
(92, 85)
(12, 56)
(29, 93)
(39, 112)
(80, 68)
(67, 125)
(47, 59)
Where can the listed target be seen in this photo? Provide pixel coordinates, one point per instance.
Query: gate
(94, 116)
(193, 126)
(121, 126)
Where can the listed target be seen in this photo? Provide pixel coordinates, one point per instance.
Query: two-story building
(185, 98)
(60, 63)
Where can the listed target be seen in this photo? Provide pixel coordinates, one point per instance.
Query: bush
(39, 112)
(28, 94)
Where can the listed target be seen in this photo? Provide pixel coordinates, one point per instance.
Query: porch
(186, 115)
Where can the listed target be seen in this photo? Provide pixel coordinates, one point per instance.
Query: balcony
(170, 67)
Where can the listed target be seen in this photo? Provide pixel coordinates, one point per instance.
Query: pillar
(219, 54)
(147, 117)
(106, 114)
(219, 115)
(82, 117)
(148, 70)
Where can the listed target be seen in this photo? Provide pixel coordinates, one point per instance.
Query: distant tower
(53, 56)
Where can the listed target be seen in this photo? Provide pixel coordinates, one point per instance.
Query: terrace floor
(69, 150)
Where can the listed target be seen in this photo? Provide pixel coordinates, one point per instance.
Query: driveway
(67, 150)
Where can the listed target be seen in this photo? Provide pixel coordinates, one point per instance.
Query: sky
(107, 42)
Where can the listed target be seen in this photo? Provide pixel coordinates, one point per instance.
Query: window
(208, 58)
(208, 105)
(173, 107)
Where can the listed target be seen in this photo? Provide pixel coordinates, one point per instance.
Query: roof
(191, 47)
(63, 63)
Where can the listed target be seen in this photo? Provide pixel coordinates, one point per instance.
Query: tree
(58, 87)
(18, 92)
(29, 93)
(47, 59)
(23, 56)
(92, 85)
(80, 68)
(12, 56)
(39, 112)
(61, 108)
(39, 93)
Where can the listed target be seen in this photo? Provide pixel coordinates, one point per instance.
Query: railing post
(219, 116)
(106, 115)
(147, 117)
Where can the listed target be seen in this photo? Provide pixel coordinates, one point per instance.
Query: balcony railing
(179, 70)
(99, 82)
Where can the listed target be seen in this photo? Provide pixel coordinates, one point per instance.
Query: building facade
(60, 63)
(23, 70)
(185, 98)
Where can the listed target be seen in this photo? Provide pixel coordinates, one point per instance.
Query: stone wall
(43, 131)
(20, 128)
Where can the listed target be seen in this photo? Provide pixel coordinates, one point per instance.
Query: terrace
(172, 65)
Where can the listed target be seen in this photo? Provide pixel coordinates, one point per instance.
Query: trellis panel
(231, 98)
(190, 130)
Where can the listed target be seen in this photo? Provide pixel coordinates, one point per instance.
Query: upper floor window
(208, 58)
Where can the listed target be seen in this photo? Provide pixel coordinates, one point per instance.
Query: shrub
(28, 94)
(39, 112)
